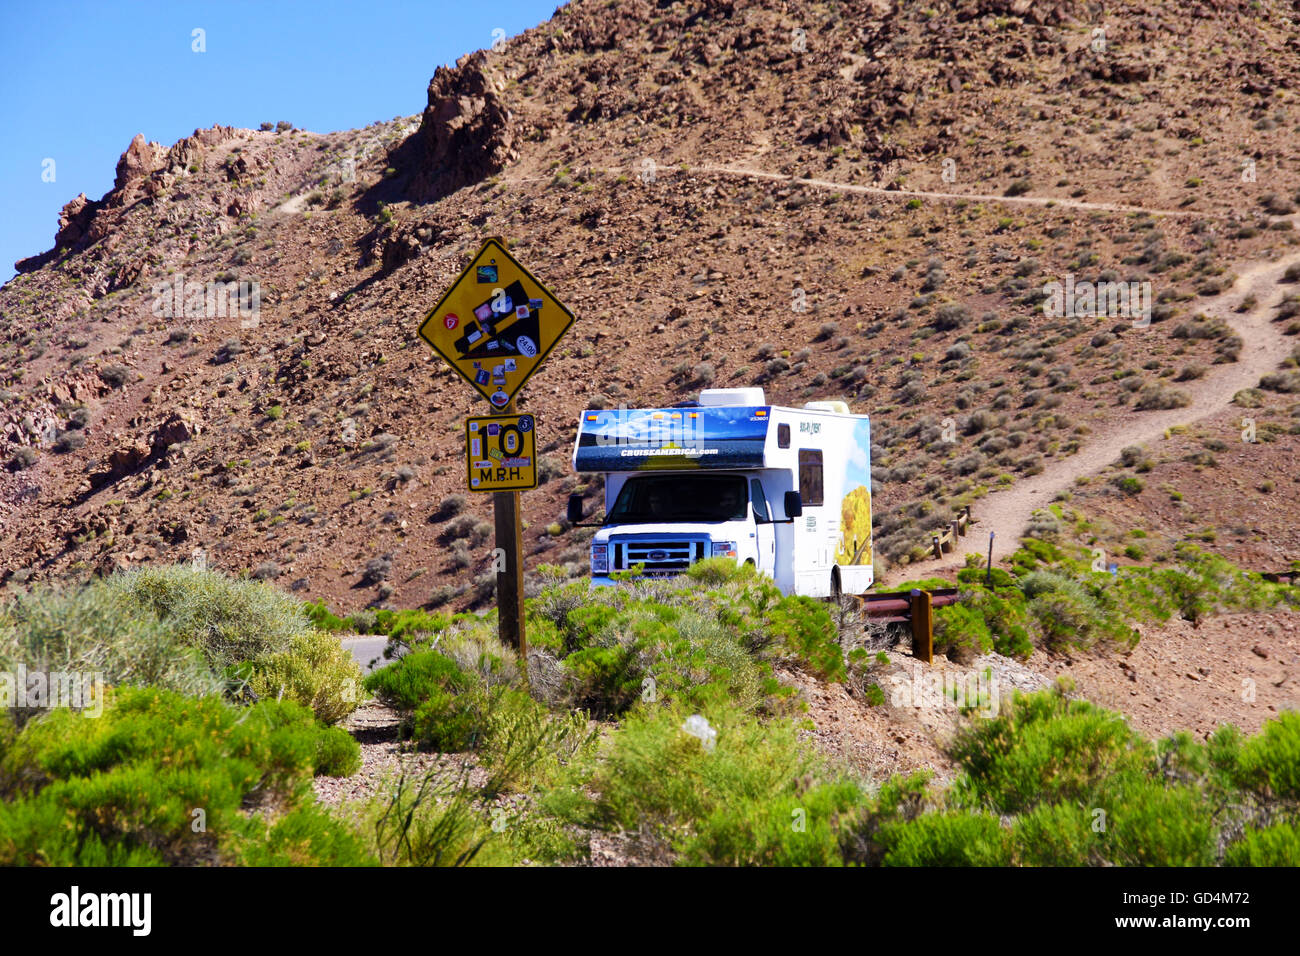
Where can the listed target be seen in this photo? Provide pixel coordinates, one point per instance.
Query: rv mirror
(793, 505)
(574, 513)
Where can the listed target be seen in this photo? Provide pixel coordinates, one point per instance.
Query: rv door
(764, 530)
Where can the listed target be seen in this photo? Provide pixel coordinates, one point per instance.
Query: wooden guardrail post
(935, 547)
(922, 614)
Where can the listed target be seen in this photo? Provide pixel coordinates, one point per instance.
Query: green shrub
(732, 805)
(1056, 834)
(527, 745)
(806, 629)
(125, 787)
(1151, 824)
(415, 678)
(425, 821)
(1043, 748)
(229, 620)
(659, 640)
(946, 839)
(960, 631)
(337, 753)
(1277, 845)
(408, 624)
(794, 829)
(316, 671)
(607, 679)
(712, 572)
(305, 836)
(1269, 763)
(323, 619)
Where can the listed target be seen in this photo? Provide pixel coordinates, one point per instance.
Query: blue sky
(78, 80)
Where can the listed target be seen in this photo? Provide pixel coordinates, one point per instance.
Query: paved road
(367, 650)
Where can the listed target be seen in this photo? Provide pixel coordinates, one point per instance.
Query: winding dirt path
(1264, 347)
(1054, 202)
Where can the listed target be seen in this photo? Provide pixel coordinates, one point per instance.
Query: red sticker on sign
(450, 320)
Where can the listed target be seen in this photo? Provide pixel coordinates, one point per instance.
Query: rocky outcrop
(144, 170)
(394, 247)
(120, 463)
(179, 427)
(465, 134)
(134, 166)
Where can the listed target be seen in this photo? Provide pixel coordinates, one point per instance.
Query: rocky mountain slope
(858, 200)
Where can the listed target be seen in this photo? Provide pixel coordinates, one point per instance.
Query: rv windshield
(656, 499)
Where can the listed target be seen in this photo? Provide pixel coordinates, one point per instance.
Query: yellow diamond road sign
(496, 324)
(501, 453)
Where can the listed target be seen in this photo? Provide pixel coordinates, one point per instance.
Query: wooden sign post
(495, 326)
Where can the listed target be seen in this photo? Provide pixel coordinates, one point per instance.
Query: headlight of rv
(724, 549)
(600, 559)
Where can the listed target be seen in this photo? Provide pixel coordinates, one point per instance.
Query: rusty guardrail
(915, 609)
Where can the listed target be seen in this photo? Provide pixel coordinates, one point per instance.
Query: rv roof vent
(838, 407)
(712, 397)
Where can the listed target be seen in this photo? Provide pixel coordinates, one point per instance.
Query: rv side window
(810, 476)
(782, 436)
(760, 500)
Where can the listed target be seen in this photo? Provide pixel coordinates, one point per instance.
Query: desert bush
(949, 317)
(228, 620)
(1044, 748)
(69, 441)
(450, 506)
(408, 682)
(1276, 845)
(115, 375)
(1130, 455)
(732, 804)
(1156, 396)
(23, 458)
(316, 671)
(93, 630)
(961, 633)
(435, 819)
(1269, 763)
(1286, 382)
(946, 839)
(1065, 610)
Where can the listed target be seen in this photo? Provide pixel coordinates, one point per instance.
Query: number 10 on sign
(501, 453)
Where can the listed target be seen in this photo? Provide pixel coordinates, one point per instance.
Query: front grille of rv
(669, 557)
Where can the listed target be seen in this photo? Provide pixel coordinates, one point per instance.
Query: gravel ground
(383, 759)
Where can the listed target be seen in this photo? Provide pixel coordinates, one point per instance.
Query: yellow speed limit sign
(501, 452)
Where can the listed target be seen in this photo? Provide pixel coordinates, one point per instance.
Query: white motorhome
(785, 489)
